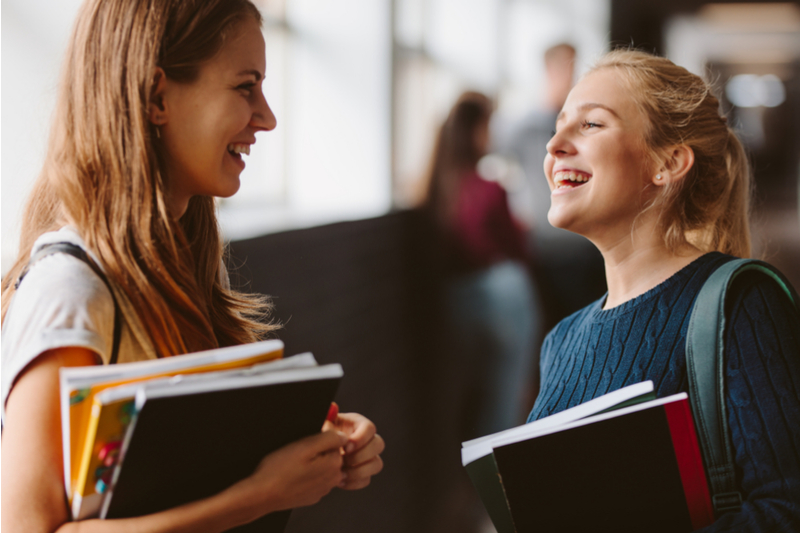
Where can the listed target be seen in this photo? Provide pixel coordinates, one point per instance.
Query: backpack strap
(705, 365)
(79, 253)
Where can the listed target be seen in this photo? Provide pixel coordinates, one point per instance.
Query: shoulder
(64, 280)
(486, 188)
(758, 301)
(752, 291)
(60, 302)
(681, 290)
(61, 278)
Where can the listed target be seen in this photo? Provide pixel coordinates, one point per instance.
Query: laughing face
(210, 122)
(596, 163)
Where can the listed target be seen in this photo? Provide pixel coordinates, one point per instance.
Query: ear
(157, 106)
(678, 161)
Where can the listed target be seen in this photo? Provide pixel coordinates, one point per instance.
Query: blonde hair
(709, 207)
(104, 172)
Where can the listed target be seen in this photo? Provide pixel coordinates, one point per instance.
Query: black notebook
(632, 469)
(195, 437)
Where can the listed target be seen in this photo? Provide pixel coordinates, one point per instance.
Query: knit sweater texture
(597, 351)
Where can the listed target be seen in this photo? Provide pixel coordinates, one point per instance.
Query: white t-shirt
(61, 302)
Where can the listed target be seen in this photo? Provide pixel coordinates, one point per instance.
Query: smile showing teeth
(570, 178)
(239, 148)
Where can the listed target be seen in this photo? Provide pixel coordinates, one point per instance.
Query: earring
(658, 176)
(158, 132)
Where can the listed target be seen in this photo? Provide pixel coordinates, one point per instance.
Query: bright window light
(750, 90)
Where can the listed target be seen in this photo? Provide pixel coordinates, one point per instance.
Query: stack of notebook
(625, 461)
(145, 437)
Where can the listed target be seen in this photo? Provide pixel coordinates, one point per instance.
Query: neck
(639, 262)
(177, 205)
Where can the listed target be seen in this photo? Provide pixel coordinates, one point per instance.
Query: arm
(762, 346)
(32, 469)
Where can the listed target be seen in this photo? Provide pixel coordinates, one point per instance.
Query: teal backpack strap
(705, 366)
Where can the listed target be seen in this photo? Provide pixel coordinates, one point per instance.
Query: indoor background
(325, 219)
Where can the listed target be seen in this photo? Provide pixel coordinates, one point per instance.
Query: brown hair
(104, 172)
(709, 207)
(455, 154)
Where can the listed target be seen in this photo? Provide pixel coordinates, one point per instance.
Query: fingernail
(350, 447)
(333, 412)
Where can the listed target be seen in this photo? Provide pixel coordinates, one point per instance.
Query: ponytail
(731, 233)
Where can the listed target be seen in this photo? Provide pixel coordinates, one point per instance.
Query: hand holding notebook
(297, 475)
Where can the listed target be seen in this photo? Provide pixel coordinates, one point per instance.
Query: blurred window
(749, 90)
(328, 82)
(443, 47)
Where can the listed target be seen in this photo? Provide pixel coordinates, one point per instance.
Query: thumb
(325, 441)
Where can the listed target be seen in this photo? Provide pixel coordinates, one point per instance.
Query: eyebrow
(590, 105)
(251, 72)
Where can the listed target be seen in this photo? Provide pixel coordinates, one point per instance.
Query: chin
(229, 190)
(559, 220)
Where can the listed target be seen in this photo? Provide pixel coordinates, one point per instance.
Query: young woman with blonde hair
(158, 100)
(643, 165)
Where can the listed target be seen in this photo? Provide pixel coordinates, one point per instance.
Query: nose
(560, 143)
(263, 119)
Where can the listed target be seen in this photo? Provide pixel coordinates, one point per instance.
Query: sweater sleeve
(762, 352)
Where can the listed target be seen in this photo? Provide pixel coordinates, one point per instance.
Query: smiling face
(208, 123)
(596, 164)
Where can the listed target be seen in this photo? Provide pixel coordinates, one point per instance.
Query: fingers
(372, 449)
(360, 429)
(328, 468)
(359, 477)
(326, 441)
(362, 449)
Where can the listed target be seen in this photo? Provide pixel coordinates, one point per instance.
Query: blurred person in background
(644, 166)
(569, 270)
(490, 299)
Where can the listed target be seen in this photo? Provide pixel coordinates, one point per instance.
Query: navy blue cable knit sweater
(594, 352)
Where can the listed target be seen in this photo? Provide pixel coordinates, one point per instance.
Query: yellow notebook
(80, 385)
(110, 418)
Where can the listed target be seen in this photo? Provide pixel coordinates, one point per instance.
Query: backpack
(705, 366)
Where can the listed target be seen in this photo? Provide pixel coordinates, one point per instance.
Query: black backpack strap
(705, 366)
(79, 253)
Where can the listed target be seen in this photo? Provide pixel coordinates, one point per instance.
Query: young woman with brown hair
(158, 100)
(643, 165)
(490, 299)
